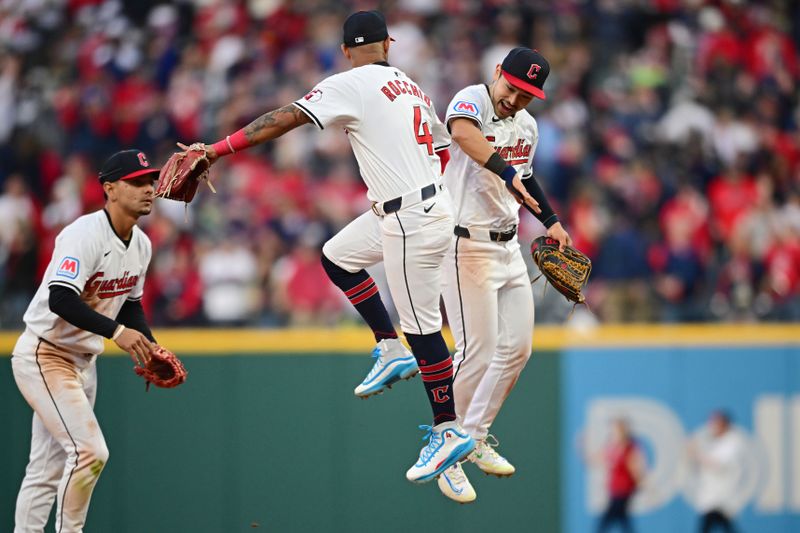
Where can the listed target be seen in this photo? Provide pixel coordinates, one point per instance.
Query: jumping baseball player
(395, 133)
(91, 289)
(487, 291)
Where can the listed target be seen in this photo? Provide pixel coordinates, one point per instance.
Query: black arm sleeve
(547, 217)
(68, 305)
(132, 316)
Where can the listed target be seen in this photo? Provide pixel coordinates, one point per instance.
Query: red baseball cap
(526, 70)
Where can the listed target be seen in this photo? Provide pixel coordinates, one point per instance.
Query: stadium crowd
(669, 142)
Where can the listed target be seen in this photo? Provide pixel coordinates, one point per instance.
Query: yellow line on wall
(359, 340)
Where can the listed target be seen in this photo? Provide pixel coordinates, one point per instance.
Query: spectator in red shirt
(731, 195)
(625, 464)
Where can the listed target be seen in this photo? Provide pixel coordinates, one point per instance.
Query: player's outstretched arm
(268, 126)
(470, 139)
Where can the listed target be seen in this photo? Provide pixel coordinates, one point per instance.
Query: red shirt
(621, 481)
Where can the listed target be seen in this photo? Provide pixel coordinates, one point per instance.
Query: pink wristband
(231, 144)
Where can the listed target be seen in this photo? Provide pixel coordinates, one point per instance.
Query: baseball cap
(125, 165)
(364, 27)
(526, 70)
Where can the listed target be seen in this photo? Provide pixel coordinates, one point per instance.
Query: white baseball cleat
(454, 484)
(448, 443)
(488, 460)
(393, 362)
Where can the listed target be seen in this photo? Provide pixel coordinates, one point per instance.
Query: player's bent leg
(344, 258)
(414, 244)
(515, 306)
(53, 386)
(393, 362)
(454, 484)
(85, 462)
(40, 484)
(448, 443)
(361, 290)
(470, 297)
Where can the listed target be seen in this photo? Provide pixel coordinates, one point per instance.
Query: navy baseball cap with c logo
(364, 27)
(125, 165)
(526, 70)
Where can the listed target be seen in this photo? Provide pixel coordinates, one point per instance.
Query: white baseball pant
(412, 243)
(68, 451)
(489, 303)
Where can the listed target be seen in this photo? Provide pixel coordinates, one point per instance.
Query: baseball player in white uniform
(487, 290)
(91, 289)
(395, 133)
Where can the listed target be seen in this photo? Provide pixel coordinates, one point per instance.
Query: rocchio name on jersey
(395, 88)
(109, 288)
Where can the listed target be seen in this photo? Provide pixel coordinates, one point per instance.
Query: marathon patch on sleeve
(69, 268)
(463, 106)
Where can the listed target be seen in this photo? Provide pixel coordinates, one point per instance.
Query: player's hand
(210, 152)
(521, 194)
(557, 232)
(136, 344)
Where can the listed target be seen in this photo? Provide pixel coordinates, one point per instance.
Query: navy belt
(390, 206)
(495, 236)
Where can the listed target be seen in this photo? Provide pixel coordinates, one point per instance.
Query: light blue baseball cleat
(448, 443)
(393, 362)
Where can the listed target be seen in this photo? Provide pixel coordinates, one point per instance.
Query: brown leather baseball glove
(567, 271)
(163, 370)
(182, 173)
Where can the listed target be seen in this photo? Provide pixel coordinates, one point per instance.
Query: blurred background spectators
(669, 143)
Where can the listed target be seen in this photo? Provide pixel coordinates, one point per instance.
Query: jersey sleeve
(441, 137)
(75, 258)
(138, 290)
(467, 103)
(335, 101)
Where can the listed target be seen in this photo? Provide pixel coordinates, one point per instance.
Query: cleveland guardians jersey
(90, 259)
(480, 197)
(391, 124)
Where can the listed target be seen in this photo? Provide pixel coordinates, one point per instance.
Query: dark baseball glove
(567, 271)
(183, 172)
(163, 370)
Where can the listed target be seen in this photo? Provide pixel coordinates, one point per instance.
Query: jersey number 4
(421, 126)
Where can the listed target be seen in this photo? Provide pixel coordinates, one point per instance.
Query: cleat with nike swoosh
(489, 461)
(393, 362)
(448, 443)
(454, 484)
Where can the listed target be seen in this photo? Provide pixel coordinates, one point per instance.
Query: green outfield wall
(276, 442)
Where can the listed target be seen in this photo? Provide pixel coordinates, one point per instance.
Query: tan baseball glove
(567, 271)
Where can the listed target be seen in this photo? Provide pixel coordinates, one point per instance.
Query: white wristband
(118, 332)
